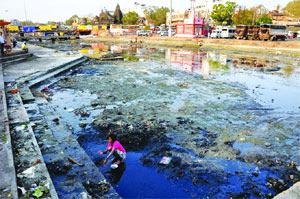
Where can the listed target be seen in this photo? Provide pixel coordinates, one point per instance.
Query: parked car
(173, 31)
(143, 33)
(292, 34)
(164, 33)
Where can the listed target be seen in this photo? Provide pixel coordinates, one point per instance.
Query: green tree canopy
(253, 16)
(71, 20)
(293, 8)
(223, 13)
(130, 18)
(157, 15)
(264, 19)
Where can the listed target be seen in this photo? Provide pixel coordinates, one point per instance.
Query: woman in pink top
(115, 149)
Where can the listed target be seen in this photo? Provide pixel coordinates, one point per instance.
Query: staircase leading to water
(46, 154)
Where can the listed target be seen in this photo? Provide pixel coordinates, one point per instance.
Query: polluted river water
(229, 122)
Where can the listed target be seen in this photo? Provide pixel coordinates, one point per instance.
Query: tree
(223, 13)
(71, 20)
(253, 16)
(27, 23)
(293, 9)
(243, 16)
(264, 19)
(158, 15)
(130, 18)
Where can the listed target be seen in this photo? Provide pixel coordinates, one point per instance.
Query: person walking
(2, 44)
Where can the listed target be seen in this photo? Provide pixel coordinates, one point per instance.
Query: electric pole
(170, 23)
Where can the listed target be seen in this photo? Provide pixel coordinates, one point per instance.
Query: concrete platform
(47, 59)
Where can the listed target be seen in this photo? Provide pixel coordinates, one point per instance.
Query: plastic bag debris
(114, 166)
(22, 190)
(14, 91)
(165, 160)
(28, 173)
(38, 193)
(36, 162)
(20, 128)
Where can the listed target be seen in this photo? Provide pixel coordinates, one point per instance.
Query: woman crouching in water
(115, 149)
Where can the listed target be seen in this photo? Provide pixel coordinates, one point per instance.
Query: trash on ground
(114, 166)
(14, 91)
(36, 162)
(74, 161)
(28, 173)
(38, 193)
(22, 190)
(19, 128)
(165, 160)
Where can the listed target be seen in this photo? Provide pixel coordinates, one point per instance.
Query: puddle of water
(137, 181)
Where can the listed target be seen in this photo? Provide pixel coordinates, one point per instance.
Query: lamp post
(25, 12)
(170, 22)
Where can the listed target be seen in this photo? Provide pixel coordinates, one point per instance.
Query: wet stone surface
(223, 142)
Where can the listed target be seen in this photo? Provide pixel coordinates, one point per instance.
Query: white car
(216, 34)
(164, 33)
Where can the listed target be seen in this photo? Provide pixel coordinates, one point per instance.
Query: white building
(203, 8)
(138, 8)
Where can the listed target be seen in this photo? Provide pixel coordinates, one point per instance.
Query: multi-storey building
(204, 8)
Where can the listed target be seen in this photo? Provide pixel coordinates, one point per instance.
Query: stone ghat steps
(58, 144)
(15, 58)
(8, 183)
(52, 73)
(42, 148)
(88, 173)
(65, 180)
(32, 173)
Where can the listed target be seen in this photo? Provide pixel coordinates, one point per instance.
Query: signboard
(28, 28)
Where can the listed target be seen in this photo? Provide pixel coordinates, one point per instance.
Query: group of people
(8, 41)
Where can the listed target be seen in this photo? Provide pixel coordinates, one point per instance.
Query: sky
(60, 10)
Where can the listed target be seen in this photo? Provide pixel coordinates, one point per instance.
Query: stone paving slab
(26, 94)
(16, 71)
(8, 185)
(16, 111)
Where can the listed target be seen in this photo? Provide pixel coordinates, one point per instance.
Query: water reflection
(115, 175)
(206, 63)
(202, 62)
(211, 63)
